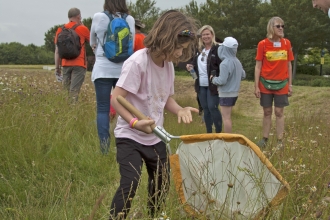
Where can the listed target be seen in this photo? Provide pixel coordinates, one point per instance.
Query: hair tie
(187, 33)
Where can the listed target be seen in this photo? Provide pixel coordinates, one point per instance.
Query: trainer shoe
(262, 143)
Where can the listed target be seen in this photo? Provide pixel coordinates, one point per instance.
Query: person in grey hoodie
(229, 80)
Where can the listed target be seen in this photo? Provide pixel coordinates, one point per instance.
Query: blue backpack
(118, 40)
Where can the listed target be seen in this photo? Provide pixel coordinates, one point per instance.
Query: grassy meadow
(51, 166)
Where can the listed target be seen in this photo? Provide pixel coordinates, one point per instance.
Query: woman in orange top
(273, 63)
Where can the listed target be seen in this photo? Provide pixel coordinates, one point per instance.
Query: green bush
(325, 70)
(304, 77)
(301, 82)
(308, 80)
(307, 70)
(325, 82)
(316, 83)
(247, 58)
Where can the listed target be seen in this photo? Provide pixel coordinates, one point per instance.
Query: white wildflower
(305, 206)
(313, 189)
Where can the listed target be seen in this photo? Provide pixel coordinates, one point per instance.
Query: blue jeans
(210, 105)
(103, 91)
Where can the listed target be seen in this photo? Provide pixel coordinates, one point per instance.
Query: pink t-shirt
(149, 86)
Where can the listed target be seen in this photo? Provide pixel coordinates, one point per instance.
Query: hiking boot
(262, 143)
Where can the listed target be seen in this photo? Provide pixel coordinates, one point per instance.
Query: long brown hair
(114, 6)
(165, 35)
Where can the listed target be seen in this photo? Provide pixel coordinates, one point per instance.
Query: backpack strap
(75, 26)
(110, 16)
(124, 15)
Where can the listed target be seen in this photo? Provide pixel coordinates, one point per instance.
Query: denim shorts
(227, 101)
(280, 101)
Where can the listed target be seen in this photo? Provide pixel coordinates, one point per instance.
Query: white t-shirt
(149, 87)
(104, 68)
(202, 68)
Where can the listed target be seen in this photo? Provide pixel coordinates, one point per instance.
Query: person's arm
(243, 74)
(290, 58)
(142, 125)
(184, 114)
(57, 60)
(86, 34)
(290, 78)
(222, 78)
(131, 23)
(257, 71)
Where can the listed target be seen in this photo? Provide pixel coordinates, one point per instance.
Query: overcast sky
(27, 21)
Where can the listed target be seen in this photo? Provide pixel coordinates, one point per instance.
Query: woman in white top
(105, 73)
(204, 63)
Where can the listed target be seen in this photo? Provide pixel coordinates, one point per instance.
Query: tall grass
(51, 166)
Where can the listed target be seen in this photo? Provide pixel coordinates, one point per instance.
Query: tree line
(246, 20)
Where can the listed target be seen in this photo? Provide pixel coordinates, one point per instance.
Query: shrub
(316, 82)
(301, 83)
(325, 82)
(308, 70)
(247, 58)
(326, 70)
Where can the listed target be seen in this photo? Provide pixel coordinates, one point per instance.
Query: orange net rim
(187, 139)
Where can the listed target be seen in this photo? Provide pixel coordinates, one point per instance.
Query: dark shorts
(227, 101)
(266, 100)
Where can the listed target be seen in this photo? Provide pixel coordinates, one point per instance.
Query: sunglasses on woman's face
(279, 26)
(203, 55)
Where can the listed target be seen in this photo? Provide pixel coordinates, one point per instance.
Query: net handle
(129, 107)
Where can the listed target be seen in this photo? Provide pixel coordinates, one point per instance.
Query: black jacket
(213, 63)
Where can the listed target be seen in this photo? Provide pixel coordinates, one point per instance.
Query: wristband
(290, 85)
(132, 122)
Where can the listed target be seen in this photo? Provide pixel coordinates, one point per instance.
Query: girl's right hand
(144, 125)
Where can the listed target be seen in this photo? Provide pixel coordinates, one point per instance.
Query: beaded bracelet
(132, 122)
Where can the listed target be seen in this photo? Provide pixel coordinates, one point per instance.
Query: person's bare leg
(226, 118)
(267, 121)
(279, 113)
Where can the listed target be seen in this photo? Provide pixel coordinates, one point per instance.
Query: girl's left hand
(184, 114)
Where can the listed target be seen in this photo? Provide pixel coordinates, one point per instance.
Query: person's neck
(159, 61)
(74, 20)
(275, 39)
(208, 46)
